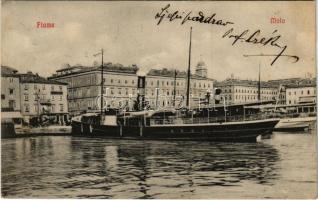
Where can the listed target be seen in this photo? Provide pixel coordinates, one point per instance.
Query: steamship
(182, 124)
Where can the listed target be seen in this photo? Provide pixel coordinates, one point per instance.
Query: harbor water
(284, 166)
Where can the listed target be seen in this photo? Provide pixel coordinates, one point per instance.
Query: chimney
(141, 85)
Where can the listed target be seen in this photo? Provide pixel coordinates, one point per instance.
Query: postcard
(158, 99)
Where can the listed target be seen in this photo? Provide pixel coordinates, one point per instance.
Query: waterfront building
(300, 94)
(10, 89)
(236, 91)
(43, 99)
(167, 88)
(295, 90)
(10, 94)
(84, 86)
(120, 86)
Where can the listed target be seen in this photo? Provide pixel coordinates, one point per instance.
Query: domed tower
(201, 69)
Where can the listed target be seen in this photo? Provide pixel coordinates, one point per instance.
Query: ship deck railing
(203, 120)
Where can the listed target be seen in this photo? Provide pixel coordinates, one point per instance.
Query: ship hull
(225, 132)
(294, 124)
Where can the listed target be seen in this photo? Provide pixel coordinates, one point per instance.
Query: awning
(10, 115)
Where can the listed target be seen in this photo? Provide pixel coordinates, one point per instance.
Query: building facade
(299, 94)
(42, 98)
(84, 86)
(235, 91)
(120, 87)
(10, 90)
(167, 88)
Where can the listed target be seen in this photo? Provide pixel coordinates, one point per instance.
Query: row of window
(178, 83)
(91, 103)
(37, 86)
(246, 97)
(119, 81)
(301, 92)
(36, 108)
(43, 97)
(250, 91)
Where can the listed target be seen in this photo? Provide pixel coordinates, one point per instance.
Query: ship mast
(102, 85)
(189, 73)
(259, 83)
(174, 88)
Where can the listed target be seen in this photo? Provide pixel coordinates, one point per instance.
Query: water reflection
(66, 167)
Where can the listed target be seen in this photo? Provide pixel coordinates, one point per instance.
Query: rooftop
(170, 73)
(107, 67)
(35, 78)
(232, 81)
(300, 85)
(8, 71)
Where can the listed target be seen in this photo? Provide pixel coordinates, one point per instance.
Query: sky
(129, 34)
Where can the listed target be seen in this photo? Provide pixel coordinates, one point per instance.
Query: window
(43, 87)
(53, 97)
(126, 81)
(26, 97)
(3, 96)
(36, 108)
(118, 80)
(61, 107)
(11, 91)
(308, 92)
(26, 87)
(133, 82)
(60, 88)
(61, 97)
(11, 80)
(11, 104)
(26, 108)
(111, 80)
